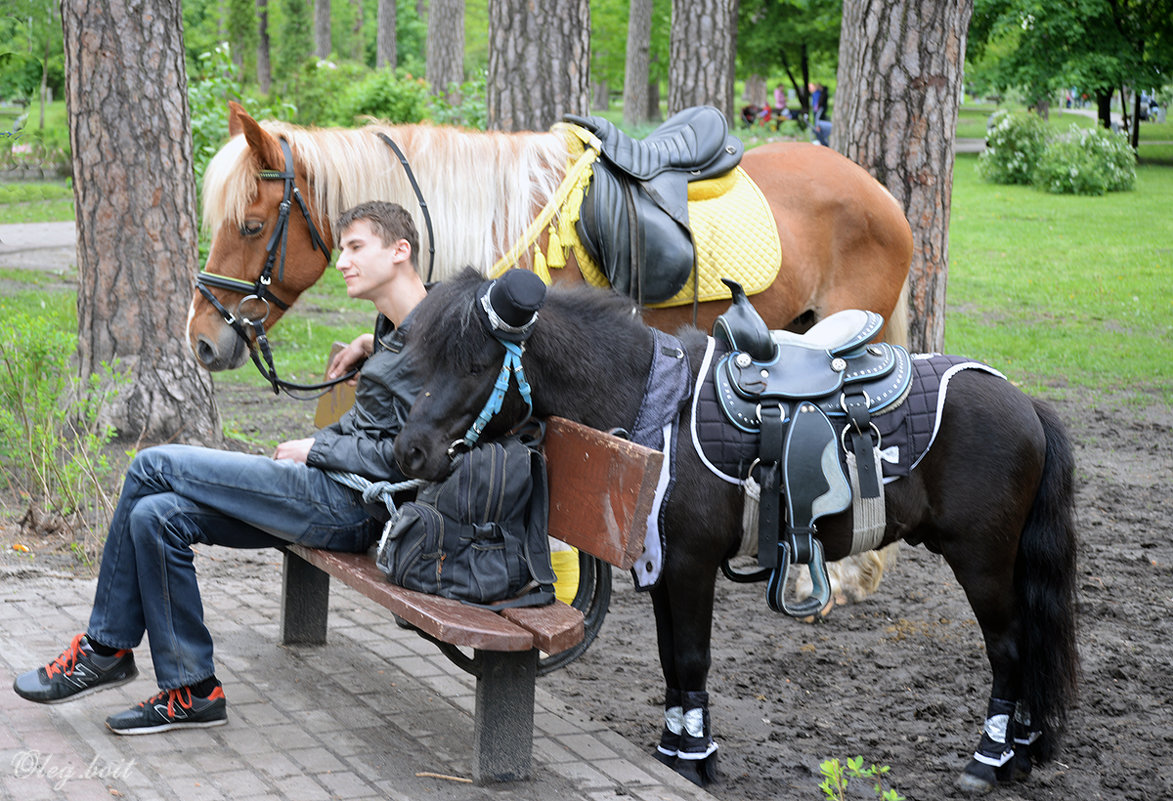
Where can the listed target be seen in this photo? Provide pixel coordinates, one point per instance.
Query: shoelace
(172, 696)
(64, 664)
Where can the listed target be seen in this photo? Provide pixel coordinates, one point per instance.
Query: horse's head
(268, 245)
(466, 338)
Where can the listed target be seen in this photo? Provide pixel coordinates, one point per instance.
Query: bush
(391, 95)
(1014, 145)
(317, 88)
(1086, 161)
(470, 109)
(51, 444)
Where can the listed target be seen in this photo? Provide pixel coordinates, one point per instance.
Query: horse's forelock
(444, 328)
(230, 185)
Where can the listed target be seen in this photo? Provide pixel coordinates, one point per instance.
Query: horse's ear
(235, 112)
(264, 146)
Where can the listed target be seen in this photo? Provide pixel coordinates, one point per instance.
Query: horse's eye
(251, 227)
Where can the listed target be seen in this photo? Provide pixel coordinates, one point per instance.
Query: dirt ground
(900, 678)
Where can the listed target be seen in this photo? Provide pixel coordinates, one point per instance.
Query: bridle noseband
(259, 290)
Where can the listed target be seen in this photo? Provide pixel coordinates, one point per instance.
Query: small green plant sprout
(836, 776)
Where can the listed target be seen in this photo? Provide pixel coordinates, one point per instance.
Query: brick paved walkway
(366, 717)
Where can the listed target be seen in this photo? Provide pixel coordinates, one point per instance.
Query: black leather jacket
(361, 442)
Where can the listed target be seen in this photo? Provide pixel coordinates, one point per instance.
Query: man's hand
(295, 449)
(350, 357)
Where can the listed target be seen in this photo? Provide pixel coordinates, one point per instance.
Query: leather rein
(258, 344)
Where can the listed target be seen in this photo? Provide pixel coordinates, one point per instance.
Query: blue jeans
(175, 496)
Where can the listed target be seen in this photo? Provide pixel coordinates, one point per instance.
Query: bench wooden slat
(446, 620)
(556, 627)
(601, 490)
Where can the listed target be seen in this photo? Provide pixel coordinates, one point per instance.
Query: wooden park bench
(601, 490)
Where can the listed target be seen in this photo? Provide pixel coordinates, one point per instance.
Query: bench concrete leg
(305, 598)
(504, 731)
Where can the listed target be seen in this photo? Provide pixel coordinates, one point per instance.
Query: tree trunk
(385, 55)
(636, 109)
(322, 44)
(702, 47)
(264, 70)
(357, 48)
(900, 74)
(539, 62)
(445, 46)
(130, 131)
(755, 91)
(600, 96)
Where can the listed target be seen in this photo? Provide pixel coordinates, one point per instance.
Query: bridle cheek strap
(510, 368)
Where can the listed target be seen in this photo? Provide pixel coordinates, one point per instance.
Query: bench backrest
(601, 486)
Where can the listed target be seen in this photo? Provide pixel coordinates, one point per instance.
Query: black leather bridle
(258, 343)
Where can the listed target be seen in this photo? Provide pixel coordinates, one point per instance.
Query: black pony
(993, 495)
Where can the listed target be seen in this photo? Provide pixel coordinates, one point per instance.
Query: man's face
(365, 262)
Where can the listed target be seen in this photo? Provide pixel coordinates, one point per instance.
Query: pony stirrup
(801, 549)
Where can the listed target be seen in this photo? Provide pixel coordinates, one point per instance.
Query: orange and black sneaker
(77, 672)
(172, 709)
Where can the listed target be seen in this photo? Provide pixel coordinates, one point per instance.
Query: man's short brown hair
(389, 221)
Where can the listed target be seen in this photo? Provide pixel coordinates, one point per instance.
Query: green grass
(1064, 291)
(32, 201)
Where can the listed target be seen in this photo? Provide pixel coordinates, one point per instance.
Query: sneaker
(172, 709)
(77, 672)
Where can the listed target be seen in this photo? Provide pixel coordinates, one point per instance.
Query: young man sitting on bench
(176, 496)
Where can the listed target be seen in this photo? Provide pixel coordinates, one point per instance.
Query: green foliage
(1086, 161)
(836, 777)
(470, 110)
(51, 443)
(215, 81)
(1022, 149)
(318, 87)
(1014, 143)
(294, 42)
(391, 95)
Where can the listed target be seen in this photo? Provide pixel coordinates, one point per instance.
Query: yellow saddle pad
(735, 237)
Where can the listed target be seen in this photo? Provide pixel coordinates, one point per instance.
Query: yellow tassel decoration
(540, 267)
(555, 255)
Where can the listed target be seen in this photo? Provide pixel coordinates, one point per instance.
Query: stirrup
(790, 552)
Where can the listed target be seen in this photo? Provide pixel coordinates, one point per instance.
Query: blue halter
(510, 366)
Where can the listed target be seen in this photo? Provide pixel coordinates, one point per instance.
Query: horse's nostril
(205, 351)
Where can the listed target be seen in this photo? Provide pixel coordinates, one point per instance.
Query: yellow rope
(577, 178)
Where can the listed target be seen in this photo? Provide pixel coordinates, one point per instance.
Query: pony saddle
(807, 396)
(634, 217)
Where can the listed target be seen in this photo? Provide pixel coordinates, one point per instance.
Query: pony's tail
(896, 329)
(1044, 579)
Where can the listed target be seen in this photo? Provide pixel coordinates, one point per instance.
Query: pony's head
(586, 358)
(458, 344)
(268, 243)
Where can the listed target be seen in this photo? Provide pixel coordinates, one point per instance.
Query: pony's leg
(673, 696)
(688, 611)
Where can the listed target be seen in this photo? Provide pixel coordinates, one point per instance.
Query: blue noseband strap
(510, 367)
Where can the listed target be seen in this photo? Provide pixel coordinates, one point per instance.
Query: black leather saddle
(634, 218)
(808, 396)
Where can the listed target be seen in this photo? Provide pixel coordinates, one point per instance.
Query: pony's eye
(251, 227)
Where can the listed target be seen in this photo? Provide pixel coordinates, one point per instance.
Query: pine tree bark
(445, 59)
(539, 62)
(899, 88)
(385, 55)
(129, 128)
(702, 47)
(636, 70)
(322, 45)
(264, 67)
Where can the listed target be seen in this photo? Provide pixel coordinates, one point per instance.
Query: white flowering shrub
(1014, 144)
(1086, 161)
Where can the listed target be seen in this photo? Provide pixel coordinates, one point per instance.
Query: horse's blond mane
(482, 189)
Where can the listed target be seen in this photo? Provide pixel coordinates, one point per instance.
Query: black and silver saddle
(807, 396)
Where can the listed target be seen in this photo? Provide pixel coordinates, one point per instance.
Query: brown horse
(845, 242)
